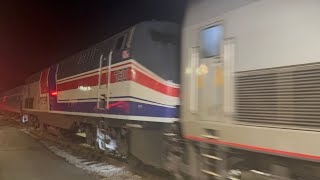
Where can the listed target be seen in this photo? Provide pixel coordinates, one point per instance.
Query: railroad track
(76, 147)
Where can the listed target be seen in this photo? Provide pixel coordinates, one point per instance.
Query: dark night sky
(34, 35)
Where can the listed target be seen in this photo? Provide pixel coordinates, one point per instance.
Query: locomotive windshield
(162, 37)
(211, 41)
(156, 46)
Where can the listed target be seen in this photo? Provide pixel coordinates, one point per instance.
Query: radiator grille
(286, 95)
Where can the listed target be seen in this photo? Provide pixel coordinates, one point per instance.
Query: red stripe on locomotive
(133, 75)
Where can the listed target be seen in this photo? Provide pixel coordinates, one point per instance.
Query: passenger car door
(210, 74)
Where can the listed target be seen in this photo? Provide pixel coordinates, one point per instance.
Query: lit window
(211, 39)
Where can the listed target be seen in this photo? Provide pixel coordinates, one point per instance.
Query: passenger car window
(211, 39)
(28, 103)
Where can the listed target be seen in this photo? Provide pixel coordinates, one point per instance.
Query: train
(11, 101)
(232, 93)
(121, 94)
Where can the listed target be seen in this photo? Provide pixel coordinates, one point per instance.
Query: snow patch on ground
(104, 170)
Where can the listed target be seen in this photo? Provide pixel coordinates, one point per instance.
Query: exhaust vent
(286, 95)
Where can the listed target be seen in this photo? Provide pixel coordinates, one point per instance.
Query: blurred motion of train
(250, 97)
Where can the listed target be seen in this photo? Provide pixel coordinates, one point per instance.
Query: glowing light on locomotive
(54, 93)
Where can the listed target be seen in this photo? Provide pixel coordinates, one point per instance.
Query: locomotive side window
(211, 39)
(119, 43)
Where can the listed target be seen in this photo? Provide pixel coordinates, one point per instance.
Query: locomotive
(249, 99)
(120, 94)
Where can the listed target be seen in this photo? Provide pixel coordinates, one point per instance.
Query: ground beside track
(36, 155)
(23, 158)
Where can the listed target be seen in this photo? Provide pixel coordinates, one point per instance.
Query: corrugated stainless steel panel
(287, 95)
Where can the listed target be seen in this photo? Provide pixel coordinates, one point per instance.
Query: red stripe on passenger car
(254, 148)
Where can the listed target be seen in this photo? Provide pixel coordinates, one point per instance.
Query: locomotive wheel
(122, 142)
(90, 135)
(173, 150)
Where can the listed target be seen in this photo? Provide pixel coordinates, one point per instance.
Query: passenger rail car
(250, 81)
(121, 93)
(10, 101)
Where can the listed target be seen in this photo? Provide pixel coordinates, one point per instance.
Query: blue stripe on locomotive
(128, 108)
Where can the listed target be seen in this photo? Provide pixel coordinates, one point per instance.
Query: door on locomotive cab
(115, 55)
(210, 71)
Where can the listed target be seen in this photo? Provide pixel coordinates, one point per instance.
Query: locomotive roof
(36, 76)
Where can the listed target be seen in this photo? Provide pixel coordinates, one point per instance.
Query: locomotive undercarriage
(179, 156)
(107, 138)
(138, 143)
(210, 161)
(148, 144)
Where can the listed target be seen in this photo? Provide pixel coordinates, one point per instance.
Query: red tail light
(54, 93)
